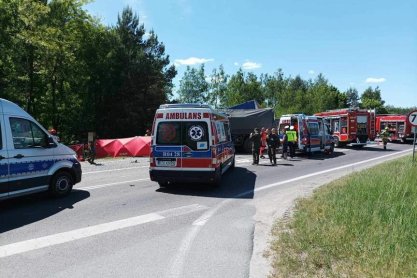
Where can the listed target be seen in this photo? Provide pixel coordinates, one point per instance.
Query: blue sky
(353, 43)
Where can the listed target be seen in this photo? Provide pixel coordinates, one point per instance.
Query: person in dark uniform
(255, 138)
(92, 151)
(273, 143)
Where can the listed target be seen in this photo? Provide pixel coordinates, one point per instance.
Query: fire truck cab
(313, 135)
(190, 143)
(399, 128)
(352, 126)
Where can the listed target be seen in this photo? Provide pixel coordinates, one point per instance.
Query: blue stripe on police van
(4, 170)
(30, 167)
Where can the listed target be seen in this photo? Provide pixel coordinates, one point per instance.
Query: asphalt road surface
(117, 223)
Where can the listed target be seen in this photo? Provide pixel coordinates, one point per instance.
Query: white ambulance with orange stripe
(190, 143)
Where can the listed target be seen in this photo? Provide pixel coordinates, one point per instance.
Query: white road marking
(119, 169)
(177, 264)
(92, 187)
(51, 240)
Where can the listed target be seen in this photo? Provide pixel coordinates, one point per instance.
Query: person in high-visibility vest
(292, 140)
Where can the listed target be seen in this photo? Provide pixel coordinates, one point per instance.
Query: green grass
(363, 225)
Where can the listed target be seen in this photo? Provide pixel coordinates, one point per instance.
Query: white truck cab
(30, 159)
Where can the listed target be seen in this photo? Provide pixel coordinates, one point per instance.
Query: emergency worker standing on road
(273, 143)
(255, 138)
(263, 142)
(385, 135)
(292, 140)
(285, 142)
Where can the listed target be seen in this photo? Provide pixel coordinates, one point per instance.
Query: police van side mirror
(51, 142)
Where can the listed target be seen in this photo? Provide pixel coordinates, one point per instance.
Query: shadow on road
(237, 183)
(374, 149)
(18, 212)
(322, 155)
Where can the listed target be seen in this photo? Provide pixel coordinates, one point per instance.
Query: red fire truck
(399, 128)
(350, 126)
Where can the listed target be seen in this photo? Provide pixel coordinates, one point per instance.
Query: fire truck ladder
(372, 131)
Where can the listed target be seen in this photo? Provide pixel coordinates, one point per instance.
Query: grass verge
(363, 225)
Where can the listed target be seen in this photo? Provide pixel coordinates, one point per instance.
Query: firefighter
(255, 138)
(385, 135)
(273, 143)
(292, 140)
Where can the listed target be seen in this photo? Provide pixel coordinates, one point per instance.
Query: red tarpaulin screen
(134, 146)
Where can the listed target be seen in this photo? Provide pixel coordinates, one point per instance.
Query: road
(117, 223)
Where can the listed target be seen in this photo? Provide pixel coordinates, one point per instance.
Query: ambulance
(313, 135)
(31, 160)
(190, 143)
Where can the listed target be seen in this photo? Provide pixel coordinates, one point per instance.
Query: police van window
(196, 135)
(27, 134)
(168, 133)
(1, 140)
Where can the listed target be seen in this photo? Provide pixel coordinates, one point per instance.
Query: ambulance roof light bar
(184, 105)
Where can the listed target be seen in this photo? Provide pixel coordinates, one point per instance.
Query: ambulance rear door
(167, 150)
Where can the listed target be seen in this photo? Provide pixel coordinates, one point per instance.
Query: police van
(190, 143)
(30, 159)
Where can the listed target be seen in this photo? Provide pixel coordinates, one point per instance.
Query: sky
(355, 43)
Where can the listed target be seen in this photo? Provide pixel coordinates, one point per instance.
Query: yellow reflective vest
(292, 136)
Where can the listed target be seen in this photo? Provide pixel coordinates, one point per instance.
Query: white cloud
(311, 72)
(375, 80)
(192, 61)
(251, 65)
(236, 64)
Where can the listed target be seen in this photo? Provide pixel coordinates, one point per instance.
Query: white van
(190, 143)
(30, 159)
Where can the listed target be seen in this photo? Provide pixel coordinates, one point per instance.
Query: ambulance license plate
(166, 162)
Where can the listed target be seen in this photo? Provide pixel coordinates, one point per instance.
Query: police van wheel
(61, 184)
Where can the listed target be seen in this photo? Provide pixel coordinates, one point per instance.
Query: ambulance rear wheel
(165, 184)
(232, 165)
(218, 178)
(61, 184)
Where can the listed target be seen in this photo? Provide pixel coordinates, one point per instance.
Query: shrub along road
(117, 223)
